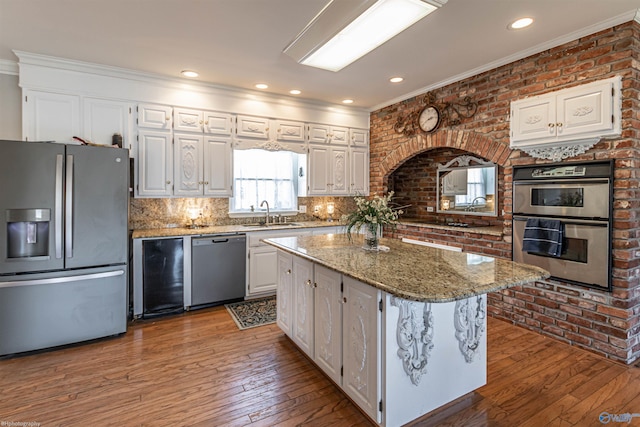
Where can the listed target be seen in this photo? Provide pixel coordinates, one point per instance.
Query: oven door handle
(590, 222)
(569, 182)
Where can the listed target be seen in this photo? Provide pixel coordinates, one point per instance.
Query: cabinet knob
(551, 125)
(344, 300)
(315, 285)
(200, 121)
(308, 283)
(168, 182)
(167, 118)
(289, 271)
(207, 123)
(559, 125)
(206, 183)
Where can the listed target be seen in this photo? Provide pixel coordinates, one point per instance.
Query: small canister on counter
(116, 140)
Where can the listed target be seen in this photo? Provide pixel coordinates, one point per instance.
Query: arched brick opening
(472, 142)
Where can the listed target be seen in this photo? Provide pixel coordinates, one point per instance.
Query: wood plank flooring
(198, 369)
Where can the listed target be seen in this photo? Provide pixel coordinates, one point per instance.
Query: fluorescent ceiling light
(340, 33)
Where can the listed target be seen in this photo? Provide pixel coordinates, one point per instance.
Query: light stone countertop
(413, 272)
(227, 229)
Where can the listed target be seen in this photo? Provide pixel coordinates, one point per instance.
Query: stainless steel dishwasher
(218, 269)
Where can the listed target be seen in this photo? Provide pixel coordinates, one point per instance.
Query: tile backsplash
(175, 212)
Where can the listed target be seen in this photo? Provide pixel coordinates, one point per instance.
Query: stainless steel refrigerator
(63, 244)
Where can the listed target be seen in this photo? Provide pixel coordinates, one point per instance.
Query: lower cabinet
(262, 274)
(336, 322)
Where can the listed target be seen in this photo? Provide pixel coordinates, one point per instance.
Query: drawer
(254, 237)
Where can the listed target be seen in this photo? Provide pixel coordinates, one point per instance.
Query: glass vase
(372, 234)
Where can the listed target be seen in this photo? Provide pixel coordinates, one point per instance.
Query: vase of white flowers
(372, 214)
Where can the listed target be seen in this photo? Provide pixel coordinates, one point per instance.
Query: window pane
(265, 175)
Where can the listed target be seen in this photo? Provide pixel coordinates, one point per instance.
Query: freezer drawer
(42, 311)
(218, 269)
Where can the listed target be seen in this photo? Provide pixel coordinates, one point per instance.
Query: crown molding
(8, 67)
(632, 15)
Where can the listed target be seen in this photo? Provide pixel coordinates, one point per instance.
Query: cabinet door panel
(284, 292)
(339, 135)
(361, 346)
(218, 123)
(188, 120)
(303, 305)
(328, 321)
(359, 137)
(359, 162)
(155, 164)
(319, 168)
(51, 116)
(289, 131)
(533, 119)
(218, 163)
(155, 116)
(103, 118)
(319, 133)
(339, 171)
(263, 269)
(253, 127)
(187, 165)
(585, 111)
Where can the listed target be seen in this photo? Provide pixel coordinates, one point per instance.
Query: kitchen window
(274, 176)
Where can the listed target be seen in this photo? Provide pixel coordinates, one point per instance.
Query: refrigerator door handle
(64, 279)
(58, 207)
(68, 226)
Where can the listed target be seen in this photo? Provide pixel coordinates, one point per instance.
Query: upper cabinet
(153, 116)
(210, 122)
(270, 129)
(49, 116)
(359, 137)
(327, 134)
(102, 118)
(581, 114)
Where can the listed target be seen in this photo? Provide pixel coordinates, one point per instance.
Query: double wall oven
(579, 195)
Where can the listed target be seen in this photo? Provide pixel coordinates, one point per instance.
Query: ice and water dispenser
(28, 233)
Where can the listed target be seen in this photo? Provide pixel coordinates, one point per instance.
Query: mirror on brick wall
(468, 185)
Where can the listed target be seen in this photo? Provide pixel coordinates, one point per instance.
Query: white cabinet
(270, 129)
(328, 170)
(154, 164)
(103, 117)
(153, 116)
(328, 321)
(303, 296)
(359, 170)
(262, 270)
(359, 137)
(187, 165)
(327, 134)
(578, 114)
(362, 346)
(284, 294)
(202, 165)
(455, 183)
(49, 116)
(211, 122)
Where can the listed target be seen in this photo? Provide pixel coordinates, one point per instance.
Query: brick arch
(494, 151)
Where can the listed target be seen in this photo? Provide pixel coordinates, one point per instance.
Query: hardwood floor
(198, 369)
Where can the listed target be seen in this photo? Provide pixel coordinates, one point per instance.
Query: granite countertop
(492, 230)
(227, 229)
(413, 272)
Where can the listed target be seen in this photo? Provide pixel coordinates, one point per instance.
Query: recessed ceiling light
(262, 86)
(347, 101)
(520, 23)
(189, 73)
(396, 79)
(295, 92)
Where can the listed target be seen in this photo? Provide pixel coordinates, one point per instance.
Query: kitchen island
(401, 332)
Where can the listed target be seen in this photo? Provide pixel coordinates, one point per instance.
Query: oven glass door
(585, 258)
(587, 199)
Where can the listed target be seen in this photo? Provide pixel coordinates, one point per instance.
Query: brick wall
(605, 323)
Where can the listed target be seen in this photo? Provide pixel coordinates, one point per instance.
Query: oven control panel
(561, 171)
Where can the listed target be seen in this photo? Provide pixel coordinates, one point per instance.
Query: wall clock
(429, 118)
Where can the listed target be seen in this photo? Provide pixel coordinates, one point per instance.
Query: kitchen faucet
(267, 218)
(472, 208)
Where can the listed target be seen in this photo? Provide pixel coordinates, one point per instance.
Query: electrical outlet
(302, 208)
(316, 209)
(429, 208)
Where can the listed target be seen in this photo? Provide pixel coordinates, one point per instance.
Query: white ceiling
(239, 42)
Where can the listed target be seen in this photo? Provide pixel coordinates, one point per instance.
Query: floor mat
(251, 313)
